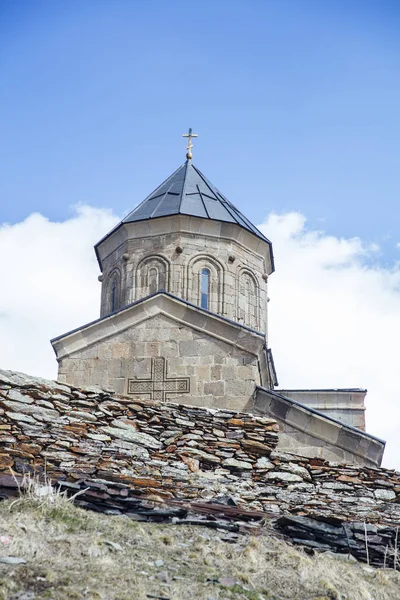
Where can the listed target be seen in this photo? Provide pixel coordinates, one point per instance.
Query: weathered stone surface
(185, 423)
(297, 470)
(256, 447)
(283, 476)
(385, 494)
(264, 463)
(192, 463)
(14, 394)
(101, 437)
(128, 445)
(237, 464)
(131, 435)
(84, 416)
(38, 412)
(12, 560)
(125, 424)
(202, 455)
(20, 417)
(363, 541)
(6, 461)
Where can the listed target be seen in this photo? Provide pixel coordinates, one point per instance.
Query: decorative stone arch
(152, 275)
(113, 291)
(197, 265)
(248, 298)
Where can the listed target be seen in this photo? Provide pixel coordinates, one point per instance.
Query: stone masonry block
(152, 349)
(235, 387)
(228, 372)
(206, 360)
(189, 348)
(120, 350)
(216, 372)
(216, 388)
(203, 372)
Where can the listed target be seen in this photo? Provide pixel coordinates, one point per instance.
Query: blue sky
(296, 103)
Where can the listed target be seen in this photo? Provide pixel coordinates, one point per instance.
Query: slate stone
(383, 494)
(131, 435)
(237, 464)
(283, 476)
(20, 417)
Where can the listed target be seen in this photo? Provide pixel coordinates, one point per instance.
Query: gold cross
(159, 386)
(190, 135)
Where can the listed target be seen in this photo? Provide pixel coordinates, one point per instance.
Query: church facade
(184, 299)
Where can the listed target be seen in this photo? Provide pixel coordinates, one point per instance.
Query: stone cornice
(166, 304)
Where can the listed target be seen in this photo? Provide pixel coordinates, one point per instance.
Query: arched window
(113, 298)
(152, 275)
(205, 283)
(248, 303)
(205, 288)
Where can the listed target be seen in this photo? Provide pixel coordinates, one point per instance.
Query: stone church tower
(187, 239)
(183, 302)
(184, 319)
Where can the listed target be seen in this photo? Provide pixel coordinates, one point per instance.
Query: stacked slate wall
(164, 452)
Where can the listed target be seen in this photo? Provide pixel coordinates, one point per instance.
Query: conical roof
(188, 192)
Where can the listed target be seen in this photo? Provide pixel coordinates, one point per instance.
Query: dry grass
(73, 554)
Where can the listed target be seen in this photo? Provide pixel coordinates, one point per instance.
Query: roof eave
(103, 239)
(117, 227)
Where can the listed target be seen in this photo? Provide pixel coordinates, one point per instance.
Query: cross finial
(189, 135)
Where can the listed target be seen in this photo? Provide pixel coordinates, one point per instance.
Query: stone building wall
(123, 452)
(144, 258)
(159, 358)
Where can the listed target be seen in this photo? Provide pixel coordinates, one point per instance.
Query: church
(184, 319)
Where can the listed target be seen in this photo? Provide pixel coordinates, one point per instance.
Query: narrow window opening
(114, 299)
(153, 280)
(248, 301)
(205, 288)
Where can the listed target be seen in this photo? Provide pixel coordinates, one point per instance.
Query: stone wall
(164, 349)
(236, 259)
(210, 371)
(145, 450)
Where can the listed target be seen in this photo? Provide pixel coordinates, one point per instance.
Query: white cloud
(49, 285)
(334, 318)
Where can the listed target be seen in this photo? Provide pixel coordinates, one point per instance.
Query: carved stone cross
(159, 384)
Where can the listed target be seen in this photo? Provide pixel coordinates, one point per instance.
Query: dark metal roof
(286, 390)
(188, 192)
